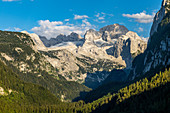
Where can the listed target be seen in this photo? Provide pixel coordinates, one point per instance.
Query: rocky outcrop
(92, 35)
(38, 43)
(157, 55)
(159, 16)
(128, 46)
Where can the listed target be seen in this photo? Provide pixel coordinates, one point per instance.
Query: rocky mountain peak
(133, 35)
(61, 36)
(113, 31)
(164, 3)
(38, 43)
(75, 35)
(115, 28)
(25, 32)
(107, 33)
(92, 35)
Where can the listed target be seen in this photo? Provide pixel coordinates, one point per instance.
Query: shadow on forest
(114, 81)
(93, 80)
(152, 101)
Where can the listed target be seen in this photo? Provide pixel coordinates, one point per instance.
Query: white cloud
(66, 20)
(85, 21)
(13, 29)
(82, 23)
(76, 17)
(140, 29)
(141, 17)
(103, 22)
(10, 0)
(97, 15)
(98, 21)
(49, 24)
(17, 29)
(54, 28)
(100, 17)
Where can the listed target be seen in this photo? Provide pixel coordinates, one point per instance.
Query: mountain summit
(113, 31)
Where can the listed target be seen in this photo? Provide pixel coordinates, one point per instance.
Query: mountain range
(91, 59)
(110, 70)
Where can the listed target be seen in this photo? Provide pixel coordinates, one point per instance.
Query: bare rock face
(38, 43)
(128, 46)
(114, 40)
(156, 57)
(159, 16)
(92, 35)
(113, 31)
(91, 61)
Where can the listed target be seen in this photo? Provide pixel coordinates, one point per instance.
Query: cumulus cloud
(141, 17)
(100, 17)
(78, 24)
(54, 28)
(97, 15)
(10, 0)
(76, 17)
(85, 21)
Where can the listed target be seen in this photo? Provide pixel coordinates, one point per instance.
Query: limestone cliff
(157, 55)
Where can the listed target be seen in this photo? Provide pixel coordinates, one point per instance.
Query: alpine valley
(112, 70)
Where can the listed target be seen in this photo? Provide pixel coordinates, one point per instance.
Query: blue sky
(52, 17)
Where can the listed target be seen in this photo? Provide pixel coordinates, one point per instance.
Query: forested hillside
(16, 95)
(147, 95)
(18, 51)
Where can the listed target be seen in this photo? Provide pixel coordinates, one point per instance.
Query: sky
(53, 17)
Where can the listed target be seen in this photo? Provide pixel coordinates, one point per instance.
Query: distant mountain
(33, 75)
(60, 38)
(87, 61)
(91, 59)
(157, 55)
